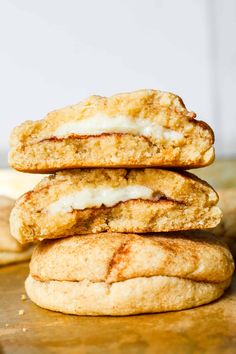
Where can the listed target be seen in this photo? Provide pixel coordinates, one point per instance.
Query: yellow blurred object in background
(13, 183)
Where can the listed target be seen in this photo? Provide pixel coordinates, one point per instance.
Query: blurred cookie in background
(11, 251)
(227, 227)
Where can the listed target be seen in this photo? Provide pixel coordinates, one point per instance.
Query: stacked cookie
(116, 228)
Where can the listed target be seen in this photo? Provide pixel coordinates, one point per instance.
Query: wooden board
(206, 329)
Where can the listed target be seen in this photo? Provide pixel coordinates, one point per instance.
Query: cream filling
(100, 124)
(96, 197)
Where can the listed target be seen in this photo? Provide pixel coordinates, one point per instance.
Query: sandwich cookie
(114, 200)
(145, 128)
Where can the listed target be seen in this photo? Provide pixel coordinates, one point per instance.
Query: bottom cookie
(129, 297)
(126, 274)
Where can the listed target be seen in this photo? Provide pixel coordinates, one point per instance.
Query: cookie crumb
(21, 312)
(23, 297)
(24, 329)
(108, 289)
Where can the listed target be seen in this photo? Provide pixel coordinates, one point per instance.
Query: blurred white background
(57, 52)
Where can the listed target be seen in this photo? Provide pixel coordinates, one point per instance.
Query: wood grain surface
(206, 329)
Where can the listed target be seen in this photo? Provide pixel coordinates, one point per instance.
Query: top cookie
(139, 129)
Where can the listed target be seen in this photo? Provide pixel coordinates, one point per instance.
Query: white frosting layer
(96, 197)
(120, 124)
